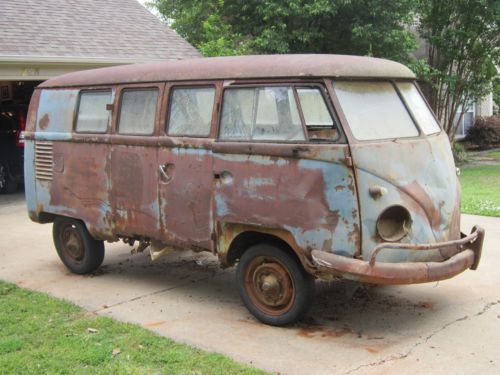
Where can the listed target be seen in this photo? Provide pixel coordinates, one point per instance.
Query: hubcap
(269, 286)
(72, 243)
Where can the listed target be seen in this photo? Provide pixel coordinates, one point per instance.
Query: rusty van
(293, 167)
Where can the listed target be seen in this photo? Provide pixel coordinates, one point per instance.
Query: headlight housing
(394, 223)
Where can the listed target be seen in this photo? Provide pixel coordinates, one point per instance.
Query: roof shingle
(87, 28)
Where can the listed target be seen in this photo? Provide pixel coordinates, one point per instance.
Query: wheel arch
(234, 239)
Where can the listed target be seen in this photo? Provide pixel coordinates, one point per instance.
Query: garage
(14, 100)
(40, 40)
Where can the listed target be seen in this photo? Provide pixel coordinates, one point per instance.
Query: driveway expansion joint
(107, 307)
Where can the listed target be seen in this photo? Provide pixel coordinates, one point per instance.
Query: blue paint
(342, 201)
(59, 107)
(221, 206)
(43, 196)
(53, 136)
(429, 164)
(334, 175)
(254, 159)
(29, 175)
(190, 151)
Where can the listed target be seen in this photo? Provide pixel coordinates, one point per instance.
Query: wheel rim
(269, 286)
(72, 242)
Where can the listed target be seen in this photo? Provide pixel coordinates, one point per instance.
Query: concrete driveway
(446, 327)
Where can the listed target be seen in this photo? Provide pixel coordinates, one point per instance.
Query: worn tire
(273, 285)
(79, 252)
(7, 184)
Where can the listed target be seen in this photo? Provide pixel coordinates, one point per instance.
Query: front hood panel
(418, 174)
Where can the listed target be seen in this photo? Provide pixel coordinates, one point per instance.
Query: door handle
(166, 172)
(225, 177)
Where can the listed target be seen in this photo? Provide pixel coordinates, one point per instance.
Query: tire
(273, 285)
(79, 252)
(7, 184)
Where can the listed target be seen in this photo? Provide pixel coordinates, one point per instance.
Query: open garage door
(14, 100)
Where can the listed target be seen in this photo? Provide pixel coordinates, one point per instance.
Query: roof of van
(237, 67)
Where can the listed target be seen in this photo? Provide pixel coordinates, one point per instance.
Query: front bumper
(468, 256)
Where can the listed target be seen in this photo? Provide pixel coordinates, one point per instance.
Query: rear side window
(191, 111)
(260, 113)
(93, 116)
(138, 110)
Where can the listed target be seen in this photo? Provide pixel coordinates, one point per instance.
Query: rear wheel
(79, 252)
(273, 285)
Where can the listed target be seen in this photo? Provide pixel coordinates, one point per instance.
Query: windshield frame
(345, 123)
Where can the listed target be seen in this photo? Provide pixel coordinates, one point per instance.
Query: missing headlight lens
(394, 223)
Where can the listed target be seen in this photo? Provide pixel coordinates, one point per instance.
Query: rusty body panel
(320, 200)
(423, 180)
(311, 196)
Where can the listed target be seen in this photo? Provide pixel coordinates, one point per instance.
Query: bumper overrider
(467, 256)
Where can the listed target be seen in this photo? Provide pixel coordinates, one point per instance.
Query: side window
(260, 113)
(191, 111)
(93, 116)
(137, 111)
(319, 121)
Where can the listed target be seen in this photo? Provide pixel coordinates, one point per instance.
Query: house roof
(91, 29)
(238, 67)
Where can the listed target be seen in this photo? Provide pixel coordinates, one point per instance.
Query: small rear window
(319, 122)
(138, 110)
(93, 116)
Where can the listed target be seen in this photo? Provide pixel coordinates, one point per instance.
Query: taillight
(20, 131)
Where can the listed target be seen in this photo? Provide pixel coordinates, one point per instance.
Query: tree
(463, 52)
(361, 27)
(496, 93)
(462, 37)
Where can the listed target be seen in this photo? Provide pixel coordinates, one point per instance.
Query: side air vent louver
(44, 160)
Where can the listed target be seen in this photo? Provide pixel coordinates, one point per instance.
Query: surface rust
(202, 194)
(238, 67)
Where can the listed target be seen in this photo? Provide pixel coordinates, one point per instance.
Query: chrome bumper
(468, 257)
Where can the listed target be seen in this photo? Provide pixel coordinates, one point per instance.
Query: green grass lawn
(43, 335)
(495, 155)
(481, 189)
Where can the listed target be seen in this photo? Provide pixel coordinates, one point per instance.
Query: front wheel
(79, 252)
(273, 285)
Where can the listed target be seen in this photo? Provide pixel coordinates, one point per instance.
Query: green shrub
(459, 153)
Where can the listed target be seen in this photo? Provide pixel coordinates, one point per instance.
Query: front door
(282, 163)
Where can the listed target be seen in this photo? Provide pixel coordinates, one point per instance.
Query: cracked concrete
(398, 356)
(438, 328)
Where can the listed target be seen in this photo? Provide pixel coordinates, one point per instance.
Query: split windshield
(375, 110)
